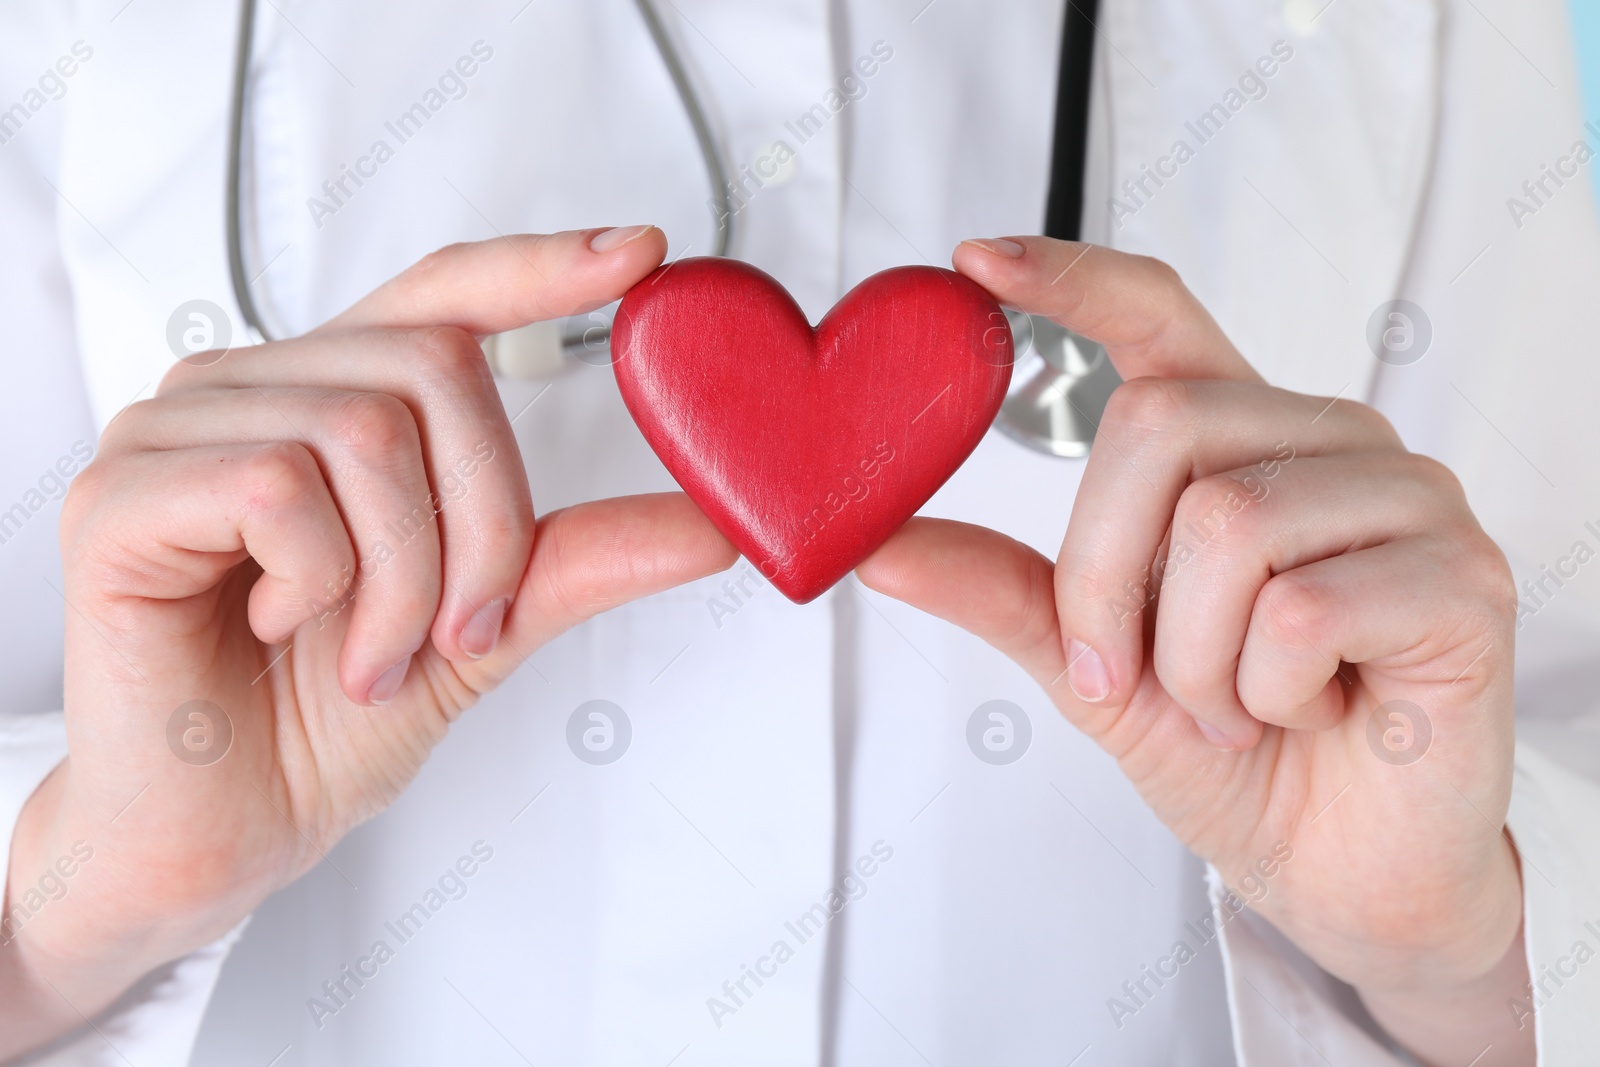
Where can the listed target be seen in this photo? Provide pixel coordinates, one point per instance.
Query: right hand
(205, 550)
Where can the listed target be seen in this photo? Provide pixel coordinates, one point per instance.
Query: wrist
(77, 929)
(1477, 1021)
(42, 995)
(1460, 1005)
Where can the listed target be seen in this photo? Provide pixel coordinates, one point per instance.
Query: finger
(1381, 606)
(986, 583)
(1232, 532)
(469, 452)
(489, 287)
(1149, 322)
(195, 514)
(1156, 437)
(1001, 591)
(450, 298)
(370, 449)
(593, 557)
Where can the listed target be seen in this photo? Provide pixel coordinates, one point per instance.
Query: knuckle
(1436, 476)
(499, 530)
(1183, 675)
(449, 354)
(180, 376)
(130, 424)
(1162, 274)
(1149, 408)
(1214, 504)
(87, 494)
(410, 601)
(372, 425)
(569, 582)
(1294, 612)
(1081, 579)
(1036, 620)
(1375, 423)
(439, 263)
(1169, 298)
(1488, 562)
(279, 475)
(1083, 584)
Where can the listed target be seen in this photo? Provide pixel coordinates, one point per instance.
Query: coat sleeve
(45, 409)
(1285, 1009)
(154, 1022)
(1555, 821)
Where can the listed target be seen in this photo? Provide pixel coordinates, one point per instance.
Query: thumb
(593, 557)
(488, 287)
(1003, 591)
(1136, 306)
(982, 581)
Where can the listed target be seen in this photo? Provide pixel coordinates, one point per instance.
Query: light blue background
(1586, 30)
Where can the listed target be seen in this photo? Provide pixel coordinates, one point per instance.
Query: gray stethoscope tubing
(1062, 380)
(586, 339)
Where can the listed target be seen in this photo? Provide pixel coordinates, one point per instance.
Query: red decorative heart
(809, 447)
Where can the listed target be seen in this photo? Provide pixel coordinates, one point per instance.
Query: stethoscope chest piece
(1059, 387)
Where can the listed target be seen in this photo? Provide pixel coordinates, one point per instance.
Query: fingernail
(1215, 737)
(482, 631)
(1086, 673)
(999, 246)
(389, 682)
(612, 239)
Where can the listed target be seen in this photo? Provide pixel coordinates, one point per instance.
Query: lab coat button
(775, 165)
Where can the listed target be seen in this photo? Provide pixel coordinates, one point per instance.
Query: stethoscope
(1059, 384)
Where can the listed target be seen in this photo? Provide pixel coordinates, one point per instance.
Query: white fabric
(775, 746)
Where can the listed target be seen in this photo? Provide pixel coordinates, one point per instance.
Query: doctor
(1292, 808)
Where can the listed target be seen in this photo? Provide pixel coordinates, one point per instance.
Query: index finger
(487, 287)
(1136, 306)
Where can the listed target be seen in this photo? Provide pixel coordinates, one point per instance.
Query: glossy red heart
(809, 447)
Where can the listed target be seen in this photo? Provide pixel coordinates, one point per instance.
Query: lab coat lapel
(1287, 201)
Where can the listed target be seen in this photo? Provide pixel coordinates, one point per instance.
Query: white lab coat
(775, 747)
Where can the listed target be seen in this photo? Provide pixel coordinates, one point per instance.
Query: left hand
(1248, 576)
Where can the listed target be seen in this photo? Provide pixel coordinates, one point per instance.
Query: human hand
(1250, 576)
(262, 536)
